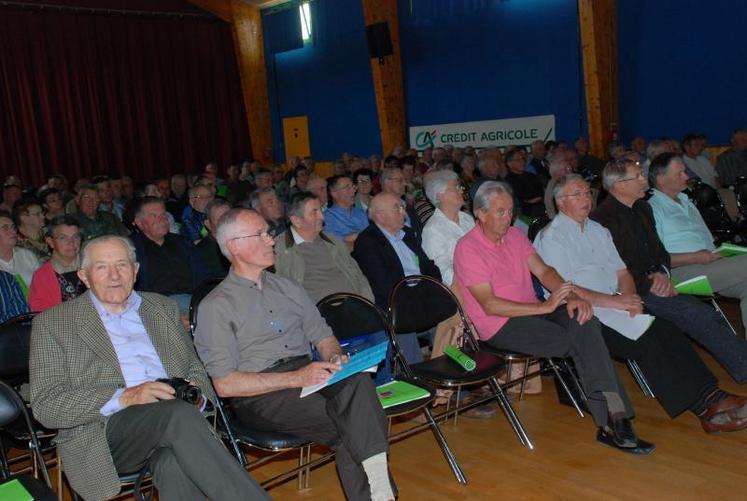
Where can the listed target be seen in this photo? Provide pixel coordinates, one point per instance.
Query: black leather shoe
(641, 447)
(622, 433)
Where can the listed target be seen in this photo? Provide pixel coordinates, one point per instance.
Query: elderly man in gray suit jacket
(94, 364)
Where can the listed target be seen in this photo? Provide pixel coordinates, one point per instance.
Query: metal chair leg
(567, 390)
(453, 464)
(524, 379)
(639, 377)
(508, 410)
(721, 312)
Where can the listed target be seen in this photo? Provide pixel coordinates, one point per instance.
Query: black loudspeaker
(379, 40)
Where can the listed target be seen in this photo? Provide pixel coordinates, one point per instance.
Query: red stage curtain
(84, 93)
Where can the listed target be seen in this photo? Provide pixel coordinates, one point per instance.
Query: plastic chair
(418, 303)
(353, 316)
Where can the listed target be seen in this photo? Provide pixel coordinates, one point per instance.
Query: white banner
(517, 131)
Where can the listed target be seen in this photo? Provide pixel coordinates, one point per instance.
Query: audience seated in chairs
(393, 182)
(21, 263)
(160, 189)
(493, 265)
(216, 264)
(57, 280)
(686, 236)
(178, 197)
(630, 220)
(582, 251)
(267, 203)
(253, 333)
(388, 251)
(318, 261)
(343, 219)
(169, 264)
(94, 363)
(92, 221)
(527, 187)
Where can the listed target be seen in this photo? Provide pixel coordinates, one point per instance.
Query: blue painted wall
(329, 80)
(682, 67)
(463, 60)
(480, 59)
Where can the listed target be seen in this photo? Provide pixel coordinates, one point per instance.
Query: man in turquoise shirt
(686, 236)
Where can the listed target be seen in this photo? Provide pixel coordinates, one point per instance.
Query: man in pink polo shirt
(493, 264)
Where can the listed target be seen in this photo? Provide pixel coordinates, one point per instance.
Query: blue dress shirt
(342, 222)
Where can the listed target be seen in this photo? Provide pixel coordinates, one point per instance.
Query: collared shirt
(440, 237)
(408, 258)
(242, 326)
(679, 224)
(297, 238)
(137, 356)
(342, 222)
(585, 256)
(503, 265)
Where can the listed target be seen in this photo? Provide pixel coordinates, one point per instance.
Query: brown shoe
(724, 416)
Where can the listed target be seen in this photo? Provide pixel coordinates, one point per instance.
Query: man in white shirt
(698, 164)
(582, 251)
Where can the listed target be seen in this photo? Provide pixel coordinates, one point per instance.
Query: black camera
(184, 389)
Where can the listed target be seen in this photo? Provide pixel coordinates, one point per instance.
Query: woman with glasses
(57, 279)
(21, 263)
(28, 217)
(363, 181)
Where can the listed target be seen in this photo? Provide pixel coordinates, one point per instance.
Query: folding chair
(418, 303)
(639, 377)
(352, 316)
(237, 434)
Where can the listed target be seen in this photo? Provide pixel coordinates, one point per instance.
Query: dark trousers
(706, 326)
(346, 416)
(187, 461)
(556, 335)
(677, 375)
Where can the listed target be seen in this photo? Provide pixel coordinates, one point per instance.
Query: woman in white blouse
(448, 223)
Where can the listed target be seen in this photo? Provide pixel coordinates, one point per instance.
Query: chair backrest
(198, 295)
(9, 406)
(705, 197)
(740, 189)
(418, 303)
(350, 315)
(15, 336)
(537, 226)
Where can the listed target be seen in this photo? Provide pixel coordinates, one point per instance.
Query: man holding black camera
(95, 364)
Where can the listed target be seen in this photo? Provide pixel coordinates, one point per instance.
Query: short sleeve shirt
(501, 264)
(679, 224)
(242, 327)
(586, 257)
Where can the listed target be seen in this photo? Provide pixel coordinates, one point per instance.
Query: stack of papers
(728, 250)
(696, 286)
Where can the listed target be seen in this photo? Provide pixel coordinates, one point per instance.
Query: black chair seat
(18, 431)
(445, 371)
(507, 354)
(268, 440)
(406, 407)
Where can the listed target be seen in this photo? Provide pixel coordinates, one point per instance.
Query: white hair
(124, 241)
(436, 183)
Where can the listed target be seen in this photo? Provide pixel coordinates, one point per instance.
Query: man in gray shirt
(254, 332)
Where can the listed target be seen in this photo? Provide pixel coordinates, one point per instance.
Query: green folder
(14, 491)
(697, 286)
(399, 392)
(729, 250)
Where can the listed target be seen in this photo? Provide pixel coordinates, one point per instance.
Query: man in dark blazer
(94, 363)
(388, 251)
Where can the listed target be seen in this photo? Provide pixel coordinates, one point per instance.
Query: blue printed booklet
(359, 362)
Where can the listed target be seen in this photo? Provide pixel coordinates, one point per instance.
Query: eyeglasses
(502, 212)
(346, 187)
(264, 234)
(577, 194)
(637, 177)
(206, 197)
(37, 213)
(364, 181)
(8, 227)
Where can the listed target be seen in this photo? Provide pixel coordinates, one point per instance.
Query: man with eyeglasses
(582, 251)
(169, 264)
(92, 221)
(630, 220)
(254, 332)
(57, 280)
(193, 217)
(344, 219)
(493, 266)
